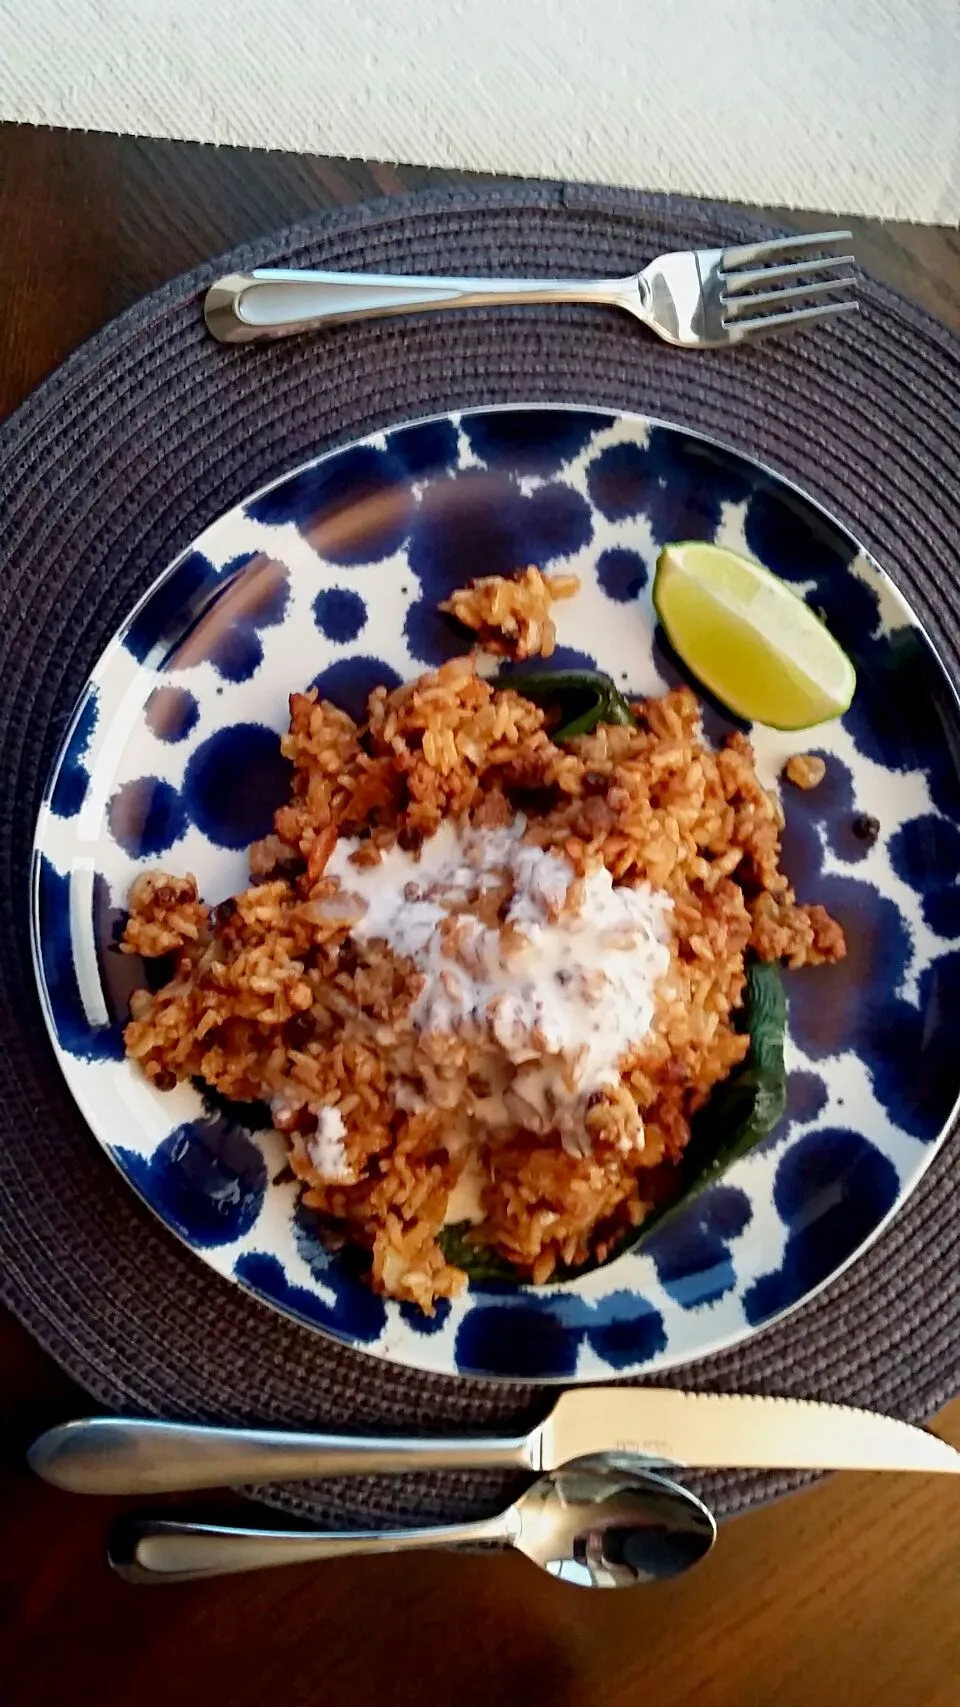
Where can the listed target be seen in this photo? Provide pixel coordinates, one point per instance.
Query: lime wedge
(749, 638)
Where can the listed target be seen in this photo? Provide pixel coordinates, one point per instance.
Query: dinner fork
(700, 298)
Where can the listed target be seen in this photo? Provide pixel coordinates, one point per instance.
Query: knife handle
(115, 1455)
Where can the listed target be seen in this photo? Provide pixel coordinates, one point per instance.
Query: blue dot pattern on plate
(832, 1189)
(146, 817)
(331, 578)
(72, 779)
(209, 1178)
(339, 613)
(233, 783)
(171, 713)
(692, 1253)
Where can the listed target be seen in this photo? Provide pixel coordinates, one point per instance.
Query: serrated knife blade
(720, 1431)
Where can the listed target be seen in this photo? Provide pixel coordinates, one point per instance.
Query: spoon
(598, 1523)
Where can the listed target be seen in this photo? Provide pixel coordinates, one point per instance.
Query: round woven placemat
(143, 438)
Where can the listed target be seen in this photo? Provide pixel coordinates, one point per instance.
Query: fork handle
(275, 302)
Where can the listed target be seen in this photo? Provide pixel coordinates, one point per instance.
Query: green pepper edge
(543, 685)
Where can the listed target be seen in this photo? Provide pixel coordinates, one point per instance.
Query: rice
(510, 614)
(408, 1093)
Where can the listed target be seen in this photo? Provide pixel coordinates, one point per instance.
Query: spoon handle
(156, 1550)
(113, 1455)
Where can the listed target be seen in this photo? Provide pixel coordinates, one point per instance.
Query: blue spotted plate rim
(596, 490)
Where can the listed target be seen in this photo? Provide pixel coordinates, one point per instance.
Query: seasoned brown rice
(510, 614)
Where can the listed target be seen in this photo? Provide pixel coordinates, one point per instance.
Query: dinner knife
(654, 1425)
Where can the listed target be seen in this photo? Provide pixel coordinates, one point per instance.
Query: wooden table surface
(847, 1593)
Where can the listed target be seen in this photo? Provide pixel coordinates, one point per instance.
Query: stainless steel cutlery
(599, 1526)
(656, 1427)
(699, 298)
(597, 1515)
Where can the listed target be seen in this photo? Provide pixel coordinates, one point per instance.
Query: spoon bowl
(601, 1523)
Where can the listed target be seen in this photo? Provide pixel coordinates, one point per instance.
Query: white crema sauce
(578, 985)
(326, 1148)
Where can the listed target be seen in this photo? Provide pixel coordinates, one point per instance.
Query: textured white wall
(850, 104)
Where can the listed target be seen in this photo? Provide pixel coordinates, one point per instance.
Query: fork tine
(752, 254)
(766, 323)
(734, 283)
(734, 306)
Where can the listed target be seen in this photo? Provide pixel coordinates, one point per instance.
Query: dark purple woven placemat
(143, 438)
